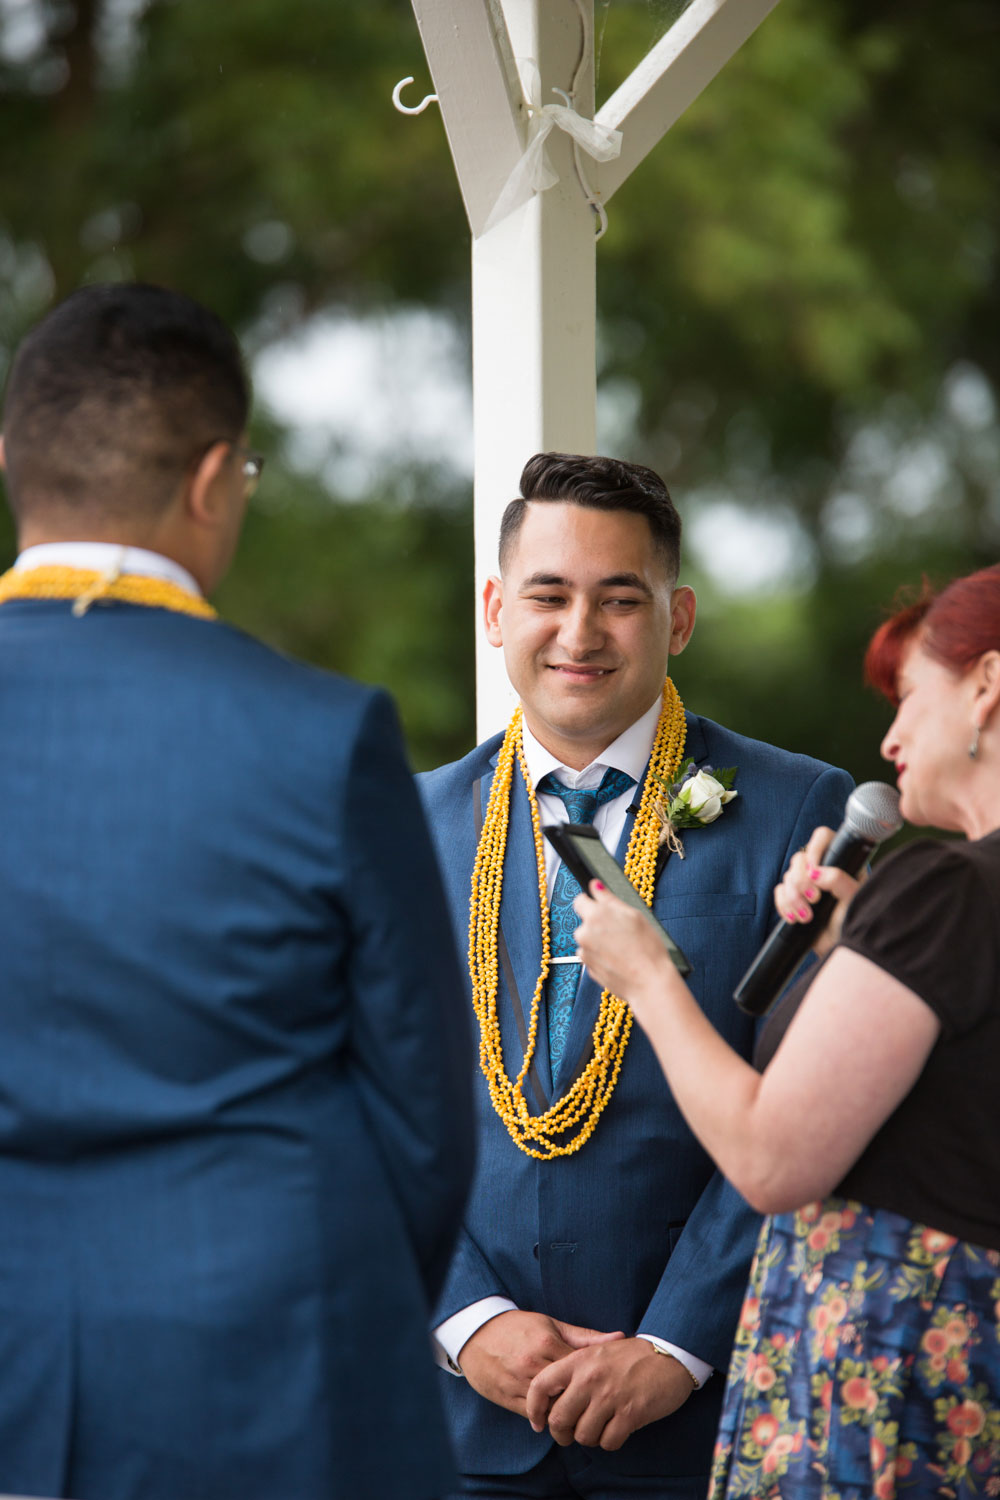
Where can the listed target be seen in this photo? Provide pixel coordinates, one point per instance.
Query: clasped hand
(586, 1386)
(502, 1357)
(600, 1395)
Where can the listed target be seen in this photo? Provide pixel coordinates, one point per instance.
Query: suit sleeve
(698, 1299)
(410, 1042)
(470, 1279)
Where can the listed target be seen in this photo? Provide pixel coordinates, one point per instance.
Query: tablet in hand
(580, 849)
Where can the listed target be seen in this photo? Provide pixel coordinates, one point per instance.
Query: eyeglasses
(252, 467)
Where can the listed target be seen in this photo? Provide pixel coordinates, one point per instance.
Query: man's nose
(581, 631)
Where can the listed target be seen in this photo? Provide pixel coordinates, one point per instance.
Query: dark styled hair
(113, 396)
(955, 626)
(598, 484)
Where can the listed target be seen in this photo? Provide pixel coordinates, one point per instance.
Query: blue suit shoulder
(725, 747)
(287, 701)
(782, 794)
(445, 781)
(782, 791)
(235, 648)
(707, 741)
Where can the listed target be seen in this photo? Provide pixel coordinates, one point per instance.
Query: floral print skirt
(867, 1362)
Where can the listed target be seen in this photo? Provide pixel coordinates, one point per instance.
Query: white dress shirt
(630, 752)
(106, 557)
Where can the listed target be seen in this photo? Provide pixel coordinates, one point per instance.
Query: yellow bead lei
(85, 587)
(540, 1135)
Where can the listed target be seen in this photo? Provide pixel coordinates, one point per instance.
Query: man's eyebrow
(537, 580)
(626, 581)
(614, 581)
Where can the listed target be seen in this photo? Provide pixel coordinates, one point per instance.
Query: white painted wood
(671, 76)
(533, 336)
(479, 93)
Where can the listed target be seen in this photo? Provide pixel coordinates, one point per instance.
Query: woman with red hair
(867, 1358)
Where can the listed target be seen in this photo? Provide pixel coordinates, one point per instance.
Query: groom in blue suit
(598, 1233)
(235, 1118)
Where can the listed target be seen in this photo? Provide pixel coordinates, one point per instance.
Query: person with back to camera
(868, 1356)
(235, 1126)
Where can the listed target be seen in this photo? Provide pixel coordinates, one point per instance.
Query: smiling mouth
(571, 669)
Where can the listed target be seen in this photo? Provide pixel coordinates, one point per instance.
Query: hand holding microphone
(871, 815)
(804, 883)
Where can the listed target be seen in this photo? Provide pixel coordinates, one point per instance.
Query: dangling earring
(974, 742)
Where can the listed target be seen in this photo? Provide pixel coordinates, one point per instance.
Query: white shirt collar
(101, 557)
(629, 753)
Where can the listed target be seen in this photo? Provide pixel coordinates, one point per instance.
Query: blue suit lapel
(694, 749)
(519, 946)
(579, 1042)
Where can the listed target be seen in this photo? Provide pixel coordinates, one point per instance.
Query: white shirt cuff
(451, 1336)
(696, 1368)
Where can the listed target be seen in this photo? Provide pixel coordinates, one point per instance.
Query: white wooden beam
(534, 313)
(479, 93)
(671, 76)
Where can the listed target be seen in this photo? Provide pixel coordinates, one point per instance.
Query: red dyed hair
(954, 626)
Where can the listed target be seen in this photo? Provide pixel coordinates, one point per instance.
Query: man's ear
(683, 608)
(206, 499)
(493, 609)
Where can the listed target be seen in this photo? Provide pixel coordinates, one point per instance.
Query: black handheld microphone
(871, 815)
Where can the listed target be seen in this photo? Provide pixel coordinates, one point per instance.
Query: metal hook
(566, 98)
(410, 109)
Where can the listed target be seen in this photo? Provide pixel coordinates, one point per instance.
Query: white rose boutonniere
(694, 800)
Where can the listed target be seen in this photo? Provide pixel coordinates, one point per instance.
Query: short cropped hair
(598, 484)
(955, 626)
(113, 397)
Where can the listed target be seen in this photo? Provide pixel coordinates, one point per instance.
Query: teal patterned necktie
(564, 979)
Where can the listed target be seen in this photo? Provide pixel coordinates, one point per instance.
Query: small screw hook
(410, 109)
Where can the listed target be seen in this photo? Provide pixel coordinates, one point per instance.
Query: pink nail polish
(811, 893)
(813, 874)
(599, 885)
(789, 916)
(803, 912)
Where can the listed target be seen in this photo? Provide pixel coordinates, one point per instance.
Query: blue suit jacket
(637, 1230)
(235, 1114)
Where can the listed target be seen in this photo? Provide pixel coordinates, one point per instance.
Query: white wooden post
(533, 322)
(534, 273)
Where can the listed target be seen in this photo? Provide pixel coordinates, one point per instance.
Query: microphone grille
(872, 811)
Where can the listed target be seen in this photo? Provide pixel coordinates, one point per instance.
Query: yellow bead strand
(541, 1135)
(85, 587)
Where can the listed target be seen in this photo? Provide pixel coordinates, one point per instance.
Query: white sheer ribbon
(534, 172)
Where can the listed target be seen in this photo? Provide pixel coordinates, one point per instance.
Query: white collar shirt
(630, 753)
(106, 557)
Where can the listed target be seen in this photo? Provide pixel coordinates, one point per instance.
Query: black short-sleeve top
(930, 917)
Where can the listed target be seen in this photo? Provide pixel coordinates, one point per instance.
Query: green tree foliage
(378, 590)
(798, 297)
